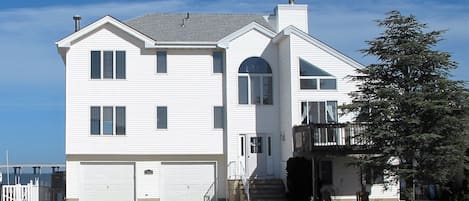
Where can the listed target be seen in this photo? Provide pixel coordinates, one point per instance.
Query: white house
(176, 106)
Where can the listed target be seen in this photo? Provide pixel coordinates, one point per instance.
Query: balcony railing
(340, 137)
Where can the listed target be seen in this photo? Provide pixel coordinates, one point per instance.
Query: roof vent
(77, 19)
(187, 18)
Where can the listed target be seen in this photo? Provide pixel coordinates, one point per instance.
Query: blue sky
(32, 104)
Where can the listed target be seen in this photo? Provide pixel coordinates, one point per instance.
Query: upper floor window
(319, 112)
(312, 77)
(107, 120)
(218, 62)
(218, 117)
(108, 65)
(161, 62)
(161, 117)
(255, 82)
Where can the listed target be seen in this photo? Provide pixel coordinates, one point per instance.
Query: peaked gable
(67, 41)
(310, 39)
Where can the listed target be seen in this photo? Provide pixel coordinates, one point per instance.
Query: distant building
(176, 106)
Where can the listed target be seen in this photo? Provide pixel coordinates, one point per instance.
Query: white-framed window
(316, 112)
(313, 77)
(218, 117)
(218, 62)
(161, 61)
(162, 117)
(107, 120)
(255, 82)
(108, 64)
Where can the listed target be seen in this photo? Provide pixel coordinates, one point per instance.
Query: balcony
(330, 138)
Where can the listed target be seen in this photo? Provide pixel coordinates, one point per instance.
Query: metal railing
(245, 180)
(210, 193)
(307, 137)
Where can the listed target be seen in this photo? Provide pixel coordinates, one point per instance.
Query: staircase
(265, 190)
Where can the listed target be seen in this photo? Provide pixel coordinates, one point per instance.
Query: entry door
(255, 150)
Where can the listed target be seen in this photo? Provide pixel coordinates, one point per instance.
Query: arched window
(255, 82)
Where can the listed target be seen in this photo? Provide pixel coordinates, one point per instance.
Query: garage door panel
(107, 182)
(186, 182)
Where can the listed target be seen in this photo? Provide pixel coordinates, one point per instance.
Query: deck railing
(308, 138)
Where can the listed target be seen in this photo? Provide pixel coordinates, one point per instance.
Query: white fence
(18, 192)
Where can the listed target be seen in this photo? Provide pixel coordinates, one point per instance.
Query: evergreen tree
(416, 115)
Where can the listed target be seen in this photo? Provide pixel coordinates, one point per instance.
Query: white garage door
(107, 182)
(187, 182)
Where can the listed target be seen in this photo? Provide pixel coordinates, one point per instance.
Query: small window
(256, 145)
(120, 120)
(243, 89)
(242, 146)
(95, 121)
(108, 61)
(309, 83)
(162, 117)
(218, 62)
(108, 120)
(269, 146)
(95, 64)
(218, 117)
(120, 64)
(161, 61)
(327, 84)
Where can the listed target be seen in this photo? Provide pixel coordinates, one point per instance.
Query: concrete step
(265, 190)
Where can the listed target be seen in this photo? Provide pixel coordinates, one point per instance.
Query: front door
(254, 151)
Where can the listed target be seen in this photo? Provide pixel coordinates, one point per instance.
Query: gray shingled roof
(199, 28)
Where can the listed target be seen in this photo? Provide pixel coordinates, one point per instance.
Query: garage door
(107, 182)
(187, 181)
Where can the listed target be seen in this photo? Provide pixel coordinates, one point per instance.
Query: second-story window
(161, 62)
(108, 65)
(255, 82)
(218, 62)
(312, 77)
(161, 117)
(107, 120)
(218, 117)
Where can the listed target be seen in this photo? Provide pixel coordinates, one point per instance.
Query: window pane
(255, 90)
(107, 120)
(256, 145)
(217, 62)
(120, 64)
(95, 64)
(322, 112)
(328, 84)
(218, 117)
(308, 84)
(308, 69)
(108, 63)
(120, 120)
(162, 117)
(304, 113)
(242, 146)
(243, 90)
(313, 112)
(95, 123)
(161, 62)
(331, 111)
(254, 65)
(269, 150)
(267, 90)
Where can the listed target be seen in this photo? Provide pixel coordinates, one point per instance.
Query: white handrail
(245, 180)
